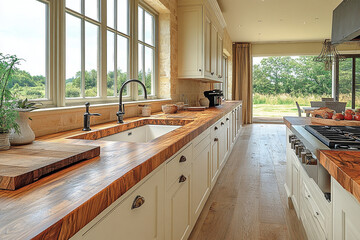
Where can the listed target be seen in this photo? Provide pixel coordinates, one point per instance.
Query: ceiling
(278, 20)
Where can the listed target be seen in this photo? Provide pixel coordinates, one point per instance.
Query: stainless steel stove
(337, 137)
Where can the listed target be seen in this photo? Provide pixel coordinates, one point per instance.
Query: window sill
(100, 105)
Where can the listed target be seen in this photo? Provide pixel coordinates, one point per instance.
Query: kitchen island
(325, 193)
(59, 205)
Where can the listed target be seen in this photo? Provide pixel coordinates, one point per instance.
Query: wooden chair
(317, 103)
(298, 108)
(328, 99)
(339, 107)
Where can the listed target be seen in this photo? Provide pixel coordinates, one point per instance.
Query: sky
(23, 33)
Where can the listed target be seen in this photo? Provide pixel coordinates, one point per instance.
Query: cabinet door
(200, 182)
(222, 142)
(207, 45)
(125, 221)
(234, 131)
(214, 160)
(228, 134)
(177, 213)
(190, 39)
(295, 184)
(214, 37)
(219, 58)
(346, 214)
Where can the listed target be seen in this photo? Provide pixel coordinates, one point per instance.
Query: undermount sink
(140, 131)
(141, 134)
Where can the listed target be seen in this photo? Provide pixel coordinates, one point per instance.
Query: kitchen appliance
(346, 22)
(214, 96)
(338, 137)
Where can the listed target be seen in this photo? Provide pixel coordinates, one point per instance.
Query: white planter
(4, 141)
(26, 134)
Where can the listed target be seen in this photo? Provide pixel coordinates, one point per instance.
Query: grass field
(270, 110)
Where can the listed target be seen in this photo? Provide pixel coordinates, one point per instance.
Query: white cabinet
(141, 209)
(200, 172)
(346, 214)
(222, 143)
(200, 38)
(215, 154)
(295, 196)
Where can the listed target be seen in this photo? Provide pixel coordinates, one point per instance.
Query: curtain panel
(242, 78)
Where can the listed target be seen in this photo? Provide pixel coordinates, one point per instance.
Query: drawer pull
(200, 70)
(227, 119)
(182, 159)
(138, 202)
(212, 73)
(222, 123)
(215, 128)
(182, 179)
(130, 133)
(216, 139)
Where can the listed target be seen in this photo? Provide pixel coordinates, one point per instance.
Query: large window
(84, 54)
(25, 33)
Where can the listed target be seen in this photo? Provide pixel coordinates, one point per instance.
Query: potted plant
(8, 114)
(26, 135)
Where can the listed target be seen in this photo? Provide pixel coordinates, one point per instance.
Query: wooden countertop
(289, 121)
(344, 166)
(59, 205)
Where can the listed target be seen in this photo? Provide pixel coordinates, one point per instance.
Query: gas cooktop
(338, 137)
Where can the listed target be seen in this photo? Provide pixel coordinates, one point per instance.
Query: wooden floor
(249, 199)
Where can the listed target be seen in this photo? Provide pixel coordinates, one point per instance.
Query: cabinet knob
(182, 159)
(200, 70)
(227, 119)
(138, 202)
(222, 123)
(212, 73)
(182, 179)
(215, 128)
(216, 139)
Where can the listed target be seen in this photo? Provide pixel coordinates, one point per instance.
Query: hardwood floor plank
(249, 200)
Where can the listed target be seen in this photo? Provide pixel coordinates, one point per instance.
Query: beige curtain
(242, 78)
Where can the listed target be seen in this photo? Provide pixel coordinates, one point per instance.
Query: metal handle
(222, 123)
(130, 133)
(216, 139)
(182, 159)
(215, 128)
(138, 202)
(212, 73)
(200, 70)
(227, 119)
(182, 179)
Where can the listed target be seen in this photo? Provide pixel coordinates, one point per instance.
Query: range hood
(346, 22)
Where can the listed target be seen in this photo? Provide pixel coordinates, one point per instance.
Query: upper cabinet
(200, 37)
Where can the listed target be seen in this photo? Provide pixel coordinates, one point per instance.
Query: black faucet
(87, 116)
(121, 112)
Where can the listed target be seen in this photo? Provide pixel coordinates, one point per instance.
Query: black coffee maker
(214, 96)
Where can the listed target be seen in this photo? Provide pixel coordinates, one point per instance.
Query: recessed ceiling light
(259, 20)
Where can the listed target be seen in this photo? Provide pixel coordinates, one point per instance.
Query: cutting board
(332, 122)
(22, 165)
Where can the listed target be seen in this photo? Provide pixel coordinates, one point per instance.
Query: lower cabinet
(295, 197)
(346, 214)
(167, 203)
(142, 209)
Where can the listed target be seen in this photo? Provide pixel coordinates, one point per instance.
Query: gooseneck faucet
(87, 116)
(121, 112)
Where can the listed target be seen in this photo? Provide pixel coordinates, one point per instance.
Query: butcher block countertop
(59, 205)
(344, 166)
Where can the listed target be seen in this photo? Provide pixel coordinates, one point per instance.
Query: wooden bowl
(169, 108)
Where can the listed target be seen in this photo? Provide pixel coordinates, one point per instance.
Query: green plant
(26, 105)
(8, 114)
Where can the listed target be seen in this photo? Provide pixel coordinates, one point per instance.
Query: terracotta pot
(26, 134)
(4, 141)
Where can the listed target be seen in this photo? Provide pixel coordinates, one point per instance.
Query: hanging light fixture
(328, 54)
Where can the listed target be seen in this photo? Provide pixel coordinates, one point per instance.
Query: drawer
(200, 146)
(178, 165)
(215, 129)
(199, 138)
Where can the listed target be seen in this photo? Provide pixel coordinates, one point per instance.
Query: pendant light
(328, 54)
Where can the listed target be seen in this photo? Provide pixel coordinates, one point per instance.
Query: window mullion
(103, 50)
(82, 58)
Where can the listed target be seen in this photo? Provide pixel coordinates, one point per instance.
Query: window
(146, 50)
(82, 48)
(105, 43)
(25, 34)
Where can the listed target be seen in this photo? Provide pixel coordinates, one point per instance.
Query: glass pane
(149, 70)
(74, 5)
(123, 16)
(92, 9)
(110, 64)
(140, 67)
(140, 23)
(110, 13)
(122, 62)
(91, 59)
(73, 56)
(357, 83)
(27, 40)
(149, 29)
(345, 81)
